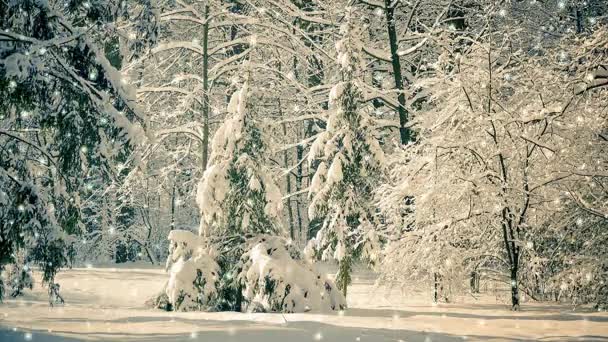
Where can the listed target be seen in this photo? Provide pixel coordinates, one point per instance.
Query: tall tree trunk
(579, 20)
(475, 278)
(288, 182)
(173, 206)
(288, 188)
(299, 156)
(514, 289)
(205, 88)
(236, 7)
(145, 216)
(306, 181)
(389, 8)
(513, 256)
(435, 288)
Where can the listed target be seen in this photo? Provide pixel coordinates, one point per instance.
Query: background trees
(491, 116)
(489, 170)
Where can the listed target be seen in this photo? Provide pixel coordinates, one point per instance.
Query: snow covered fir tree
(306, 170)
(241, 259)
(349, 164)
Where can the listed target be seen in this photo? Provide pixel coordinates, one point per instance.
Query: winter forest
(338, 170)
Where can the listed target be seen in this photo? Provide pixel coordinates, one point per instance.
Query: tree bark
(299, 156)
(435, 288)
(514, 289)
(173, 206)
(475, 282)
(288, 188)
(205, 89)
(579, 20)
(404, 131)
(288, 184)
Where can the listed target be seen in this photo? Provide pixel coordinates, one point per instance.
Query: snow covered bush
(273, 277)
(348, 160)
(276, 279)
(193, 272)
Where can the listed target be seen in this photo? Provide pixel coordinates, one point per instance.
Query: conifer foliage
(237, 197)
(64, 108)
(349, 163)
(258, 268)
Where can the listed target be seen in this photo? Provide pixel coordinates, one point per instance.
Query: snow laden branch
(348, 161)
(241, 260)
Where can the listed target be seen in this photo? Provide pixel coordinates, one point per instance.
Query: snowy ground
(108, 304)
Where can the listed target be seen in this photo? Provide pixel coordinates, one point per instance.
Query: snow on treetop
(237, 162)
(180, 235)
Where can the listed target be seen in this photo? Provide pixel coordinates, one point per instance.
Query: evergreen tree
(237, 196)
(242, 259)
(350, 162)
(64, 107)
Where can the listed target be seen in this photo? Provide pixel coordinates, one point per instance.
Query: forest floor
(106, 303)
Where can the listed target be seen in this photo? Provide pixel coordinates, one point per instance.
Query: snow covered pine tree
(349, 161)
(63, 107)
(240, 208)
